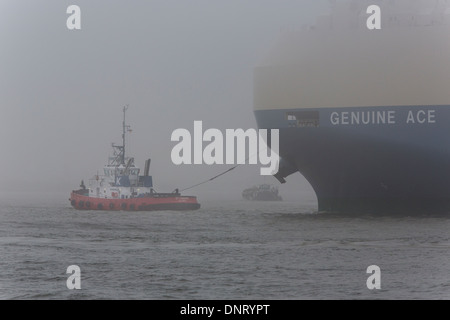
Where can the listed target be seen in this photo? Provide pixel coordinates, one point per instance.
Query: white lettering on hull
(383, 117)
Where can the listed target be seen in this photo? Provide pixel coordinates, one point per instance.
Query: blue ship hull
(369, 159)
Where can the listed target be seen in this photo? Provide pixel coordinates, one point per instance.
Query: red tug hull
(154, 202)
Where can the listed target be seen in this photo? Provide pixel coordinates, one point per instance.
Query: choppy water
(237, 250)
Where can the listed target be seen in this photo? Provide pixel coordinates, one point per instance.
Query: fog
(172, 62)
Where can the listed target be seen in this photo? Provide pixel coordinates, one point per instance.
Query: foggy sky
(172, 62)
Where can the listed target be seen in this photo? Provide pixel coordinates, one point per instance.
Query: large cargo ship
(364, 115)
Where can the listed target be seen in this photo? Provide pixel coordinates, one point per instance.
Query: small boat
(263, 192)
(121, 187)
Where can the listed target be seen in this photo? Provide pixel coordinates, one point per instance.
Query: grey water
(225, 250)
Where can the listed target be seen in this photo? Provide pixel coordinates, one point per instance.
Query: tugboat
(122, 188)
(263, 192)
